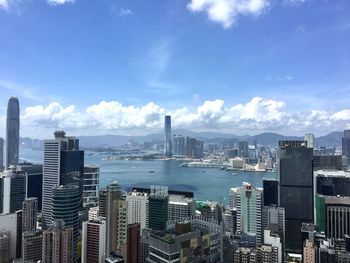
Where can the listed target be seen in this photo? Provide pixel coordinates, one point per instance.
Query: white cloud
(226, 12)
(255, 116)
(60, 2)
(125, 12)
(4, 4)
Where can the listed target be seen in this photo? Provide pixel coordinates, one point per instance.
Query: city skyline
(132, 63)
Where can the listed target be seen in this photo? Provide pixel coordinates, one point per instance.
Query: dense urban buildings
(12, 132)
(305, 211)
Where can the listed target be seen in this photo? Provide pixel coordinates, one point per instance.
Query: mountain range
(269, 138)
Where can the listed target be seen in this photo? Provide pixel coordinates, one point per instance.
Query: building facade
(91, 180)
(167, 136)
(295, 171)
(12, 132)
(93, 241)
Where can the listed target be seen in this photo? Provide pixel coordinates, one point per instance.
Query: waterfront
(206, 183)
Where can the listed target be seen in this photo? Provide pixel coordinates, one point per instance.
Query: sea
(208, 184)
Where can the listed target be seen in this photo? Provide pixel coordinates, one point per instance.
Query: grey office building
(167, 133)
(1, 154)
(295, 173)
(63, 165)
(12, 132)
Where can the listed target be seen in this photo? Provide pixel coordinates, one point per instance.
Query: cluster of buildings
(56, 212)
(179, 145)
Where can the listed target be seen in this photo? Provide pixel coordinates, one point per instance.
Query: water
(212, 184)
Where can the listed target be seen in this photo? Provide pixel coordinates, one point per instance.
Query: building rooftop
(332, 173)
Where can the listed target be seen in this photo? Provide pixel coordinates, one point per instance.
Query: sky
(232, 66)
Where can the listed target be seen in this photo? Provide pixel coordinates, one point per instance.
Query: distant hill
(268, 138)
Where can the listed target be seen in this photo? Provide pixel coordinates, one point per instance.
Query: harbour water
(209, 184)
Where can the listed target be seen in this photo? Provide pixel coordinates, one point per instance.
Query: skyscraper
(12, 191)
(12, 132)
(167, 133)
(113, 196)
(133, 246)
(249, 205)
(90, 186)
(310, 139)
(93, 241)
(65, 207)
(346, 145)
(270, 192)
(5, 246)
(63, 165)
(158, 208)
(57, 243)
(1, 153)
(30, 214)
(295, 189)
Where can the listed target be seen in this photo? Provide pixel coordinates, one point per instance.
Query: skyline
(117, 67)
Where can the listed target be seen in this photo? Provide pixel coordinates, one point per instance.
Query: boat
(203, 171)
(151, 171)
(234, 173)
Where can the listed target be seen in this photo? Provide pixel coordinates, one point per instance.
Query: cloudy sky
(118, 66)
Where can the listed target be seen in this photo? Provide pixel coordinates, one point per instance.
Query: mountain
(268, 138)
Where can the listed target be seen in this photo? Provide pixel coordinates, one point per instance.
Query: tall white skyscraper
(249, 205)
(310, 139)
(137, 203)
(167, 133)
(12, 132)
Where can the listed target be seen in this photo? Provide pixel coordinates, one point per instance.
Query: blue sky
(116, 66)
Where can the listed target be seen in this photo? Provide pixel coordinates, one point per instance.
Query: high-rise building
(179, 145)
(328, 183)
(5, 252)
(337, 217)
(194, 148)
(90, 185)
(57, 244)
(275, 242)
(12, 190)
(9, 224)
(328, 162)
(113, 197)
(34, 174)
(249, 205)
(137, 203)
(167, 133)
(189, 243)
(158, 208)
(93, 241)
(30, 215)
(310, 140)
(243, 149)
(181, 207)
(65, 207)
(133, 246)
(295, 173)
(63, 165)
(273, 220)
(270, 192)
(1, 154)
(12, 132)
(346, 145)
(102, 203)
(32, 244)
(309, 252)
